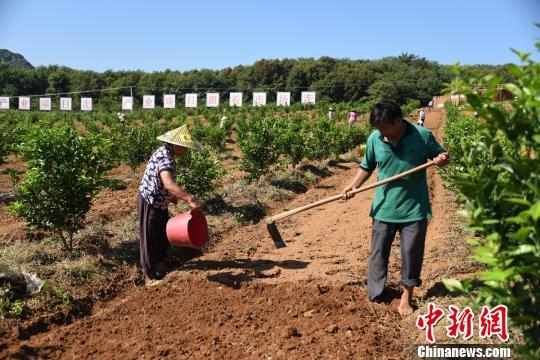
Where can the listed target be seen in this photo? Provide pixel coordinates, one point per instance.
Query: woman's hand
(193, 204)
(172, 188)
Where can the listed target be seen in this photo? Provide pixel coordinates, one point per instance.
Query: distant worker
(352, 117)
(121, 118)
(475, 115)
(331, 114)
(421, 117)
(430, 105)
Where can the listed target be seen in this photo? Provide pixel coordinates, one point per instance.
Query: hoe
(270, 221)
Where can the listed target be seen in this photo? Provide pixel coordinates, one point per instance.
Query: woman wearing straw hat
(158, 188)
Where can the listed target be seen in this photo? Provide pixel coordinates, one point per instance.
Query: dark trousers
(412, 237)
(153, 236)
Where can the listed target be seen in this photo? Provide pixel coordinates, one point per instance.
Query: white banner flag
(127, 103)
(45, 104)
(169, 101)
(308, 97)
(235, 99)
(283, 99)
(4, 102)
(212, 99)
(86, 104)
(191, 100)
(259, 98)
(24, 103)
(65, 104)
(149, 101)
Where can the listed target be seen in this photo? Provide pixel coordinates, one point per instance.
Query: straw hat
(181, 137)
(362, 150)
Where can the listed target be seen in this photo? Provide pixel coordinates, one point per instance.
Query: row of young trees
(265, 141)
(496, 172)
(68, 155)
(398, 78)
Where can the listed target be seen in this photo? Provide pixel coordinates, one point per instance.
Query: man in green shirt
(403, 205)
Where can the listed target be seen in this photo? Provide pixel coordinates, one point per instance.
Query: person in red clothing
(352, 117)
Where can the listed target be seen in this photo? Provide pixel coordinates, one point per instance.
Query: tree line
(397, 78)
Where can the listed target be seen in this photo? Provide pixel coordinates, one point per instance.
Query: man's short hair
(385, 112)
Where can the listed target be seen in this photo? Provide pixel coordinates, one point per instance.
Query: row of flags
(169, 101)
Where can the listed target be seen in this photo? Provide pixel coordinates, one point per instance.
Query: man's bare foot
(405, 307)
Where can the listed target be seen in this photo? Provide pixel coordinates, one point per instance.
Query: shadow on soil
(324, 186)
(439, 290)
(245, 214)
(390, 293)
(337, 163)
(37, 352)
(129, 252)
(294, 185)
(321, 172)
(6, 198)
(252, 269)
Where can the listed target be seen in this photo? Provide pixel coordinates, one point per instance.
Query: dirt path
(247, 299)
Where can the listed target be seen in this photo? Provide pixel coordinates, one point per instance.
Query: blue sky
(182, 35)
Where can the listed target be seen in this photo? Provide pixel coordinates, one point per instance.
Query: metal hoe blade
(275, 235)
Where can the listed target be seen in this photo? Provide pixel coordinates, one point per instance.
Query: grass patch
(68, 273)
(93, 239)
(247, 202)
(31, 255)
(114, 184)
(68, 276)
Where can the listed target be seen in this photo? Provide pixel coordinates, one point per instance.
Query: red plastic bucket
(188, 229)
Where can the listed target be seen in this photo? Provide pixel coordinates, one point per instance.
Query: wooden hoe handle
(340, 196)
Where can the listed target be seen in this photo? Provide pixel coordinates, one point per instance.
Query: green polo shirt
(405, 199)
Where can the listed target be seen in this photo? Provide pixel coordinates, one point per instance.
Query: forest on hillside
(335, 80)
